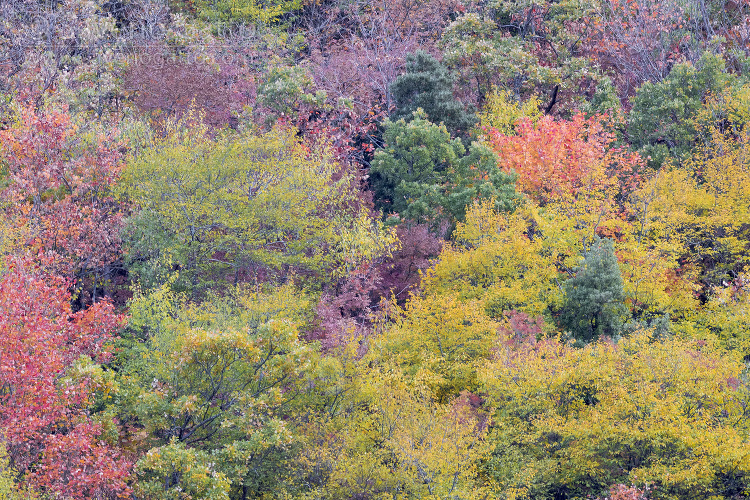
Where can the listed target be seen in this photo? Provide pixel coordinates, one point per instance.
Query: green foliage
(593, 305)
(661, 123)
(284, 88)
(427, 84)
(422, 175)
(605, 101)
(211, 387)
(237, 206)
(173, 472)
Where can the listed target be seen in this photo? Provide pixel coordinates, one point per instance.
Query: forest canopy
(374, 249)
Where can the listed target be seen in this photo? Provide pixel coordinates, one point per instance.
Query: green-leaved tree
(424, 176)
(428, 84)
(662, 122)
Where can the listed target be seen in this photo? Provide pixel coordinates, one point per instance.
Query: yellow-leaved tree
(390, 438)
(669, 413)
(243, 206)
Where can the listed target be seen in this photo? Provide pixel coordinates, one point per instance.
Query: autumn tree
(696, 208)
(50, 376)
(163, 86)
(574, 164)
(210, 388)
(246, 11)
(668, 413)
(526, 47)
(644, 40)
(59, 190)
(244, 206)
(503, 112)
(359, 48)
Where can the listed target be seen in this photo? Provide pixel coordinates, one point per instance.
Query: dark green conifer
(427, 84)
(593, 304)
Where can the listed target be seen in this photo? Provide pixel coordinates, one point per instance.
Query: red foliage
(60, 192)
(622, 492)
(521, 329)
(43, 419)
(353, 137)
(349, 311)
(401, 274)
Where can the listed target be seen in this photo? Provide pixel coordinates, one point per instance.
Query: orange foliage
(558, 160)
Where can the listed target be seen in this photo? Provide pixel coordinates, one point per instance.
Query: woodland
(374, 249)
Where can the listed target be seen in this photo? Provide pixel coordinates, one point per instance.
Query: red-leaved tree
(44, 423)
(60, 193)
(558, 160)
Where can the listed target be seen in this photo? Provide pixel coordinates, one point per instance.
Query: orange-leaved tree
(566, 160)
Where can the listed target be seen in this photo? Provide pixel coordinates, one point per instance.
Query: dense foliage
(374, 249)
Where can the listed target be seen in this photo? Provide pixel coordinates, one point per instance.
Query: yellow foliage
(239, 202)
(698, 214)
(440, 337)
(9, 488)
(395, 442)
(670, 413)
(502, 110)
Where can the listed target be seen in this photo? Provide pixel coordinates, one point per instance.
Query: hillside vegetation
(374, 249)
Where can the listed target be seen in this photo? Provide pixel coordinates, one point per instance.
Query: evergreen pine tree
(593, 304)
(428, 84)
(425, 176)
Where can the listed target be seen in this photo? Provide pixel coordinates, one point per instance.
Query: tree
(240, 207)
(9, 489)
(573, 164)
(359, 48)
(668, 413)
(661, 123)
(643, 40)
(428, 85)
(593, 305)
(60, 191)
(391, 437)
(48, 377)
(503, 112)
(526, 47)
(247, 11)
(165, 87)
(47, 44)
(696, 211)
(213, 386)
(423, 175)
